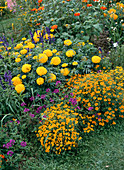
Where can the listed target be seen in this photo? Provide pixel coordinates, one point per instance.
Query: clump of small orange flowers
(100, 94)
(58, 130)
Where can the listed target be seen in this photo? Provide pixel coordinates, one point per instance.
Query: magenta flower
(90, 108)
(23, 144)
(43, 96)
(10, 153)
(32, 98)
(23, 104)
(56, 91)
(47, 90)
(58, 82)
(32, 115)
(26, 110)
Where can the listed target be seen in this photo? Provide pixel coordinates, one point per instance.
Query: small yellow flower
(20, 88)
(43, 58)
(54, 51)
(16, 80)
(40, 81)
(26, 68)
(41, 71)
(48, 52)
(24, 76)
(75, 63)
(96, 59)
(67, 42)
(64, 65)
(17, 60)
(65, 71)
(55, 61)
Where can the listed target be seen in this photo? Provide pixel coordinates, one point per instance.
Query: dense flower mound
(58, 130)
(101, 95)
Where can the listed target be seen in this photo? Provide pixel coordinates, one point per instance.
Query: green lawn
(101, 151)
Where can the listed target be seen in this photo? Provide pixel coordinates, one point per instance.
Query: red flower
(103, 8)
(41, 8)
(77, 14)
(39, 1)
(89, 5)
(54, 27)
(34, 9)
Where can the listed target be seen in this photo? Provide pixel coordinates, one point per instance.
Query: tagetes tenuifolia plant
(101, 95)
(58, 130)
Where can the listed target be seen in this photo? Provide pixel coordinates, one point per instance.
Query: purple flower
(43, 96)
(32, 115)
(23, 144)
(71, 94)
(47, 90)
(38, 109)
(32, 98)
(51, 100)
(44, 116)
(23, 104)
(26, 110)
(90, 108)
(58, 82)
(38, 95)
(10, 153)
(98, 71)
(12, 141)
(66, 96)
(18, 121)
(56, 91)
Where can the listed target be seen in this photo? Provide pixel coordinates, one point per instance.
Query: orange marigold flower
(89, 5)
(54, 27)
(84, 0)
(103, 8)
(77, 14)
(39, 1)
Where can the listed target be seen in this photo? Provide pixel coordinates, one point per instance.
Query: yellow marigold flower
(65, 71)
(96, 59)
(16, 80)
(64, 65)
(48, 52)
(24, 76)
(51, 77)
(18, 46)
(114, 16)
(24, 51)
(52, 30)
(20, 88)
(30, 45)
(40, 81)
(23, 39)
(54, 50)
(43, 58)
(41, 71)
(67, 42)
(70, 53)
(104, 14)
(19, 55)
(35, 57)
(26, 68)
(111, 11)
(55, 61)
(36, 39)
(17, 60)
(75, 63)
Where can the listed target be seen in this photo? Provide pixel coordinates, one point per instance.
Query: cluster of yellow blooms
(58, 133)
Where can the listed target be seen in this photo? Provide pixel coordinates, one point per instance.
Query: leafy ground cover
(61, 85)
